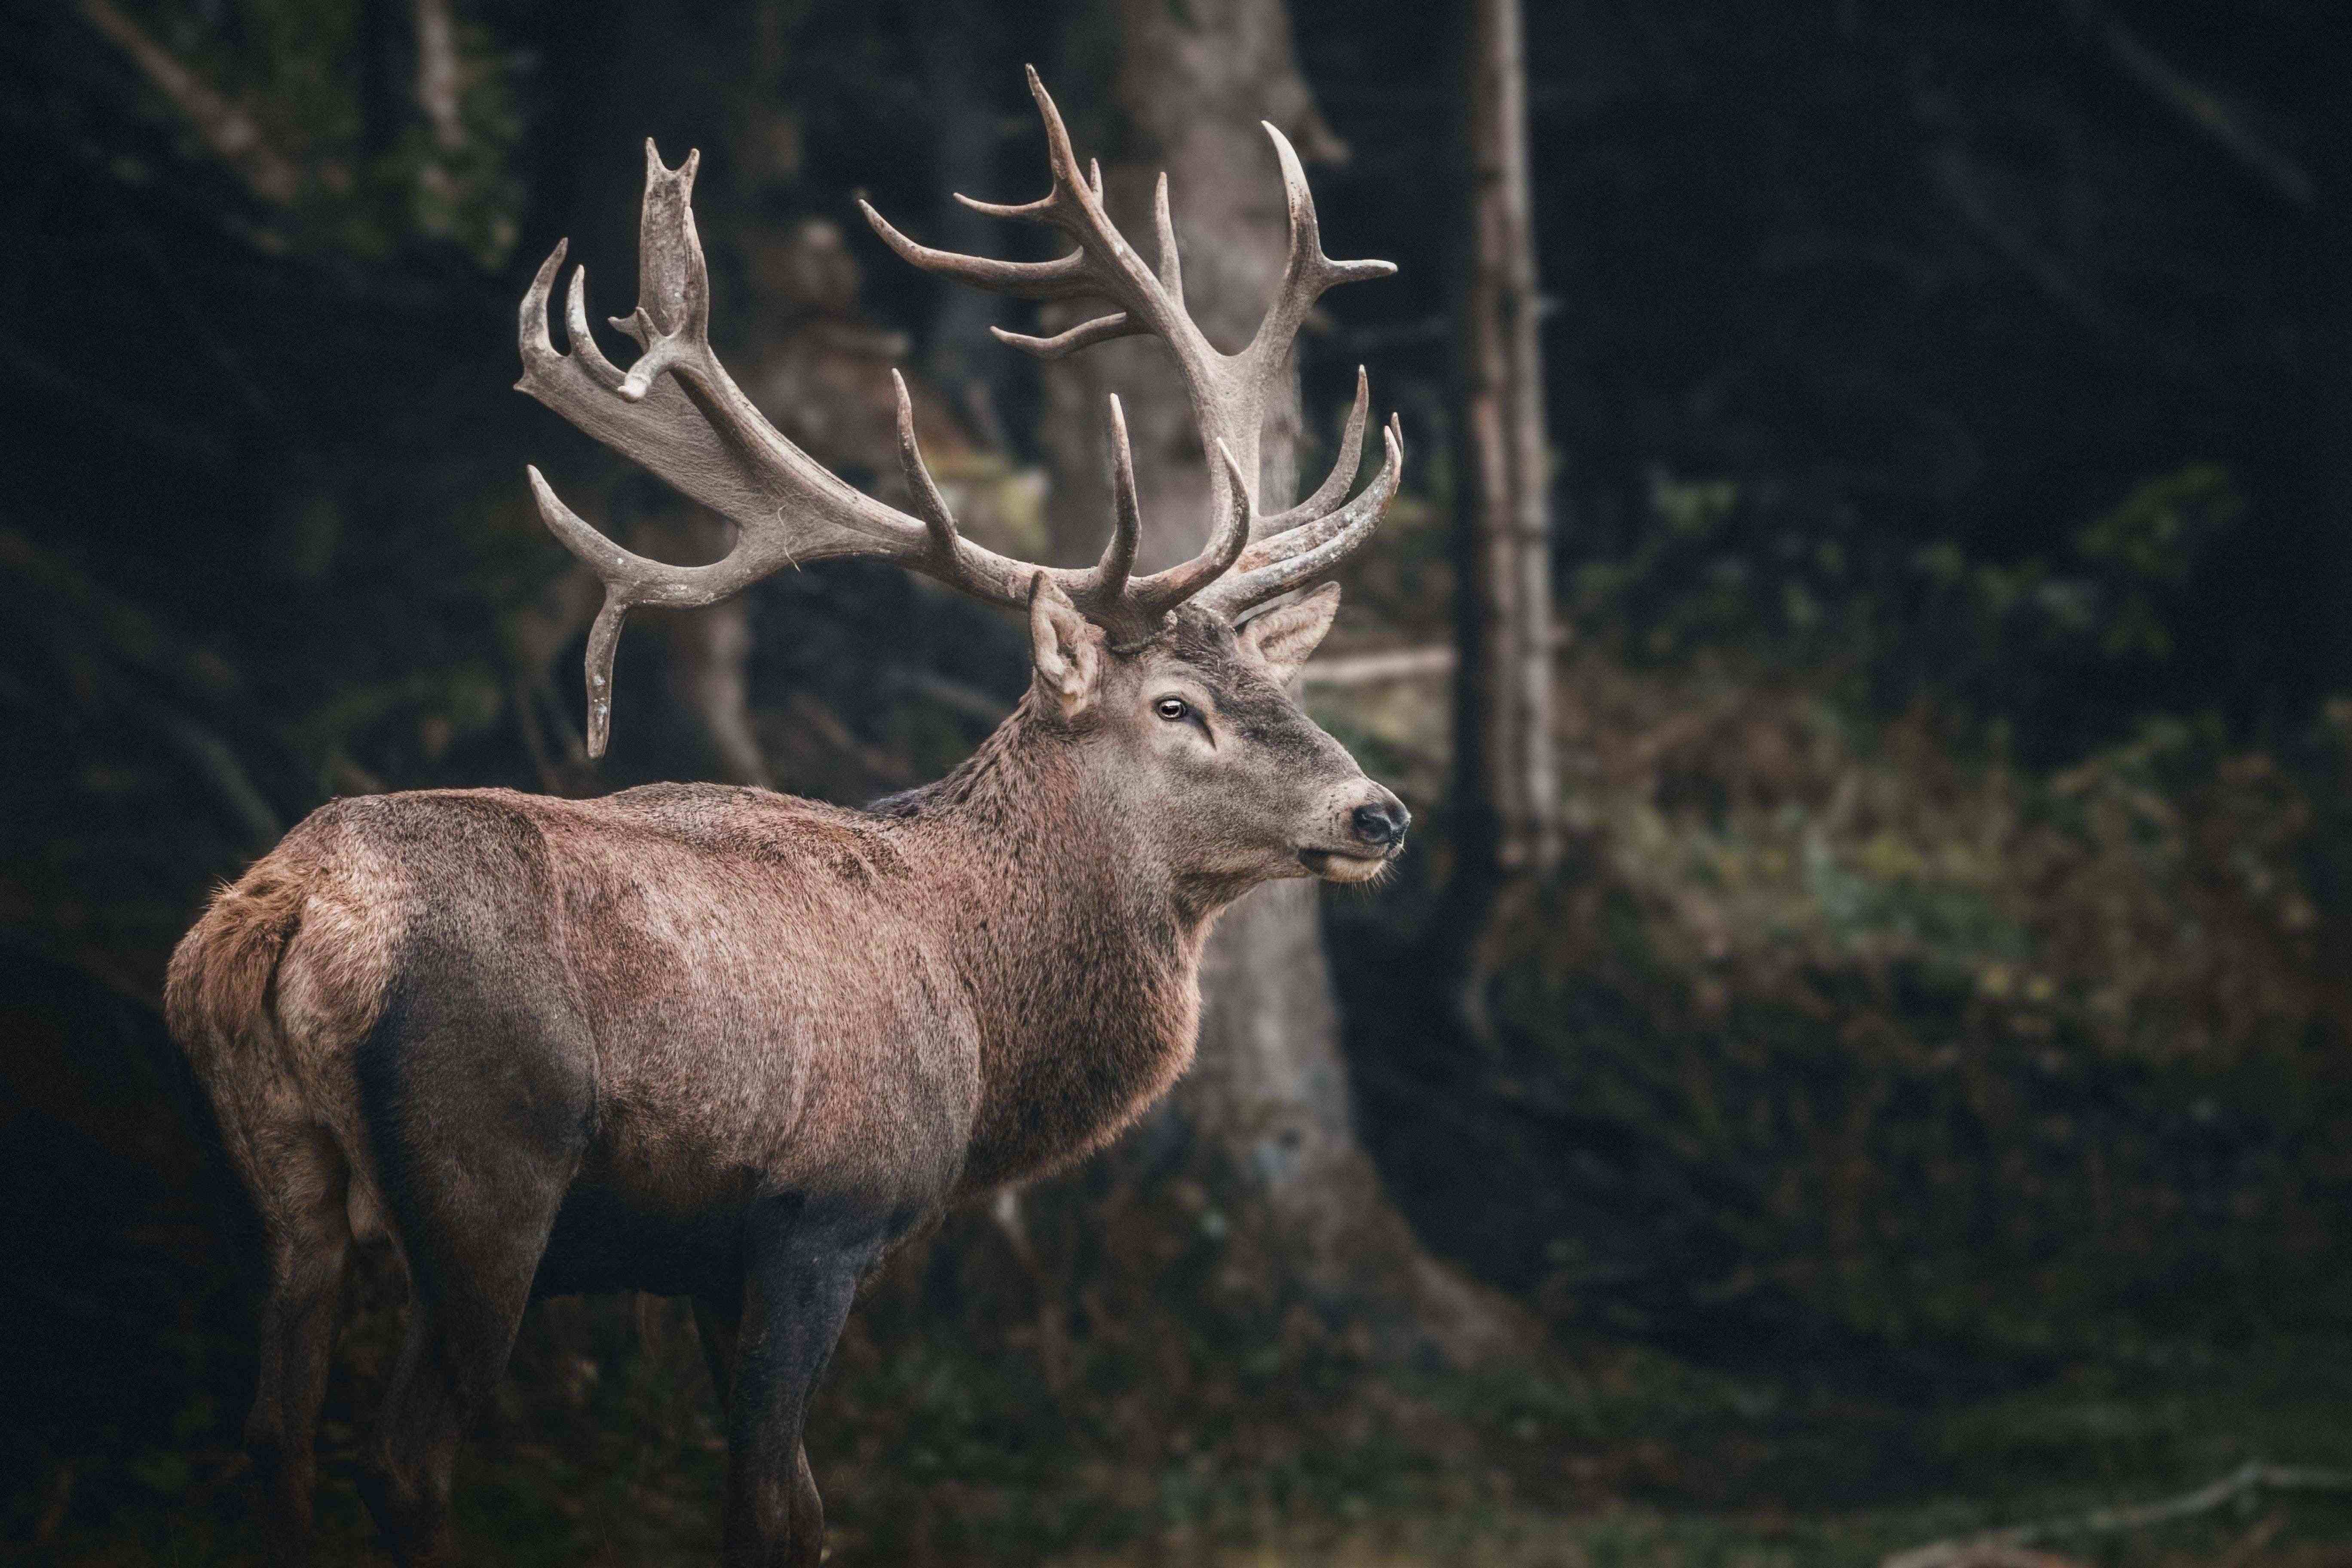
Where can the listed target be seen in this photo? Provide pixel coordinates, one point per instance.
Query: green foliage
(1858, 1039)
(2151, 542)
(1938, 621)
(322, 92)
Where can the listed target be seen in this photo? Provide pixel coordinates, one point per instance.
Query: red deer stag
(716, 1042)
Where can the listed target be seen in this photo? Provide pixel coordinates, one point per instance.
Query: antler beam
(677, 411)
(1229, 393)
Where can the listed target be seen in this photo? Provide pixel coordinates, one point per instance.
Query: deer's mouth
(1343, 864)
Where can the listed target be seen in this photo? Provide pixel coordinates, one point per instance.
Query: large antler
(1229, 393)
(678, 413)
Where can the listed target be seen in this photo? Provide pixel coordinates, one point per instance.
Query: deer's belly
(605, 1239)
(663, 1206)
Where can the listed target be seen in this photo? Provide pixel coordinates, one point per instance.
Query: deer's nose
(1383, 823)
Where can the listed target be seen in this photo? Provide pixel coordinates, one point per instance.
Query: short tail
(220, 974)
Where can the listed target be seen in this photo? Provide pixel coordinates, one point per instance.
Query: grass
(604, 1451)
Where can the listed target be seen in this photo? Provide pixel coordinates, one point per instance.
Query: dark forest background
(1918, 1100)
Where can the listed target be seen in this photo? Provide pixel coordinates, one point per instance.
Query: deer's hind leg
(302, 1196)
(479, 1093)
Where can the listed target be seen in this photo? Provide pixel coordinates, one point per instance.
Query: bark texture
(1267, 1098)
(1506, 786)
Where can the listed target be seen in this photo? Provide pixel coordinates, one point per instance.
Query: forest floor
(603, 1452)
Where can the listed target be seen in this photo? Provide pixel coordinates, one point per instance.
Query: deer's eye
(1175, 709)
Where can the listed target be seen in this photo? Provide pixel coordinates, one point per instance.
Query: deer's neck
(1081, 958)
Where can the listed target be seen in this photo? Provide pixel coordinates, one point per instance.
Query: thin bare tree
(1507, 787)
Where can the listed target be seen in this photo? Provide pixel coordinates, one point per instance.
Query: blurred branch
(195, 443)
(133, 640)
(440, 86)
(439, 91)
(233, 135)
(1982, 1551)
(2197, 107)
(346, 776)
(1957, 178)
(217, 765)
(563, 766)
(827, 725)
(953, 695)
(1378, 337)
(1370, 669)
(709, 676)
(127, 632)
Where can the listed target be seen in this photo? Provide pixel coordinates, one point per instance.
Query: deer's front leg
(804, 1261)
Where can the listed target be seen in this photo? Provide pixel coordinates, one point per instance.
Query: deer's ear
(1287, 636)
(1065, 649)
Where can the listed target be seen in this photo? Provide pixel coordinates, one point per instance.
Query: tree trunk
(1268, 1099)
(1506, 790)
(969, 366)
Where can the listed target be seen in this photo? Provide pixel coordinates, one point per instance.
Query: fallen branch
(1975, 1551)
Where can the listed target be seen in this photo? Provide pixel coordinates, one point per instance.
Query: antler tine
(1164, 224)
(1279, 562)
(1039, 211)
(1061, 161)
(1103, 264)
(1155, 595)
(672, 320)
(1061, 158)
(1065, 206)
(584, 336)
(936, 519)
(1085, 335)
(530, 328)
(1107, 584)
(1060, 278)
(1307, 273)
(630, 580)
(1344, 469)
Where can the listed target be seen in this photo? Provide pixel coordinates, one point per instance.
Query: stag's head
(1174, 689)
(1193, 738)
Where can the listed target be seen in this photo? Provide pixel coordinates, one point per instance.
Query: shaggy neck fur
(1081, 958)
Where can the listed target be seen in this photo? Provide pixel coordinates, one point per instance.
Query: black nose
(1382, 824)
